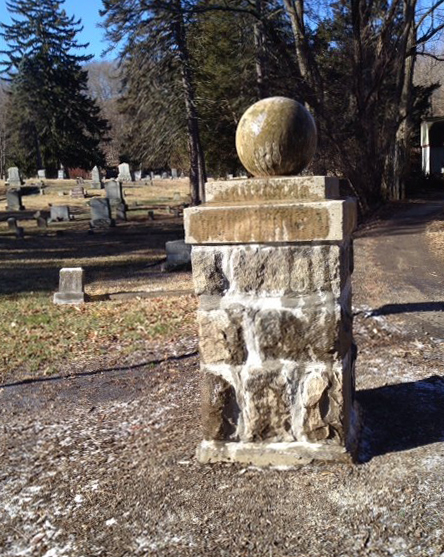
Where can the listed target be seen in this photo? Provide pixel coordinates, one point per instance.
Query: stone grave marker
(272, 263)
(157, 177)
(61, 174)
(138, 175)
(174, 174)
(101, 213)
(124, 173)
(96, 179)
(41, 174)
(114, 193)
(164, 175)
(120, 209)
(14, 200)
(178, 255)
(78, 192)
(14, 179)
(71, 286)
(13, 226)
(59, 213)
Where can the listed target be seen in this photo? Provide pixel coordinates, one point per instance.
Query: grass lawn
(39, 337)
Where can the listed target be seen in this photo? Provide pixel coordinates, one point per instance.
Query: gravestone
(71, 286)
(59, 213)
(164, 176)
(272, 264)
(114, 193)
(152, 175)
(14, 179)
(101, 213)
(61, 174)
(78, 192)
(96, 179)
(157, 177)
(174, 174)
(137, 175)
(14, 200)
(178, 256)
(13, 226)
(42, 222)
(41, 174)
(120, 209)
(124, 173)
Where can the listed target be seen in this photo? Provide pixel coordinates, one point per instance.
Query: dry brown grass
(121, 259)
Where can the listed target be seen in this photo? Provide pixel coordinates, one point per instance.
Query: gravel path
(103, 464)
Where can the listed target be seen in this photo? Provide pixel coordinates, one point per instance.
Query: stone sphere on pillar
(276, 137)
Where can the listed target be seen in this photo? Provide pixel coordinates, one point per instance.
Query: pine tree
(52, 121)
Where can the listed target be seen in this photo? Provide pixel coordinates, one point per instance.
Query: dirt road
(103, 465)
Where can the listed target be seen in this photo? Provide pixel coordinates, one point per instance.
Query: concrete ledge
(309, 188)
(270, 223)
(270, 454)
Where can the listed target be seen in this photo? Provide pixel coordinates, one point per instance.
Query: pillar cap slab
(268, 188)
(274, 222)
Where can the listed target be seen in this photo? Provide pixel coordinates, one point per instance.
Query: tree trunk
(260, 53)
(197, 160)
(38, 153)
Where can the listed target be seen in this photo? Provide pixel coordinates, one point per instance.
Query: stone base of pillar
(271, 454)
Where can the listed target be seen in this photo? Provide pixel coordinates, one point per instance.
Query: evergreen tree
(52, 121)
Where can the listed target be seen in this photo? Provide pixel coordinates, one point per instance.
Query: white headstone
(14, 177)
(41, 174)
(124, 173)
(71, 286)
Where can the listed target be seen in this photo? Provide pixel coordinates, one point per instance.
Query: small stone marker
(14, 200)
(101, 213)
(114, 193)
(78, 192)
(41, 174)
(272, 262)
(61, 174)
(96, 179)
(157, 177)
(120, 211)
(174, 174)
(164, 175)
(71, 286)
(178, 255)
(13, 226)
(41, 220)
(59, 213)
(124, 173)
(14, 179)
(137, 175)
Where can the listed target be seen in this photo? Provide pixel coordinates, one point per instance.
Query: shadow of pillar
(401, 417)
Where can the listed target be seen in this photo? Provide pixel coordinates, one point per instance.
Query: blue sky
(88, 11)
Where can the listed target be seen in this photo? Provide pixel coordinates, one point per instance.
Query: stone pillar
(272, 263)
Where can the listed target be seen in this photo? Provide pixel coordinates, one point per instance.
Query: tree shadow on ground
(401, 417)
(414, 307)
(126, 251)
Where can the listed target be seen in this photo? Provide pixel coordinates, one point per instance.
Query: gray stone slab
(41, 174)
(113, 191)
(178, 255)
(14, 178)
(59, 213)
(96, 179)
(101, 213)
(14, 200)
(71, 286)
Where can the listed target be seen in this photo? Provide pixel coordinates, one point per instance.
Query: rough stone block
(221, 338)
(220, 411)
(271, 271)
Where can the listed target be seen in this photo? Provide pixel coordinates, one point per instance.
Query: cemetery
(221, 300)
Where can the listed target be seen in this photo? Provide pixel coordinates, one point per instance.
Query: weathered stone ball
(276, 137)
